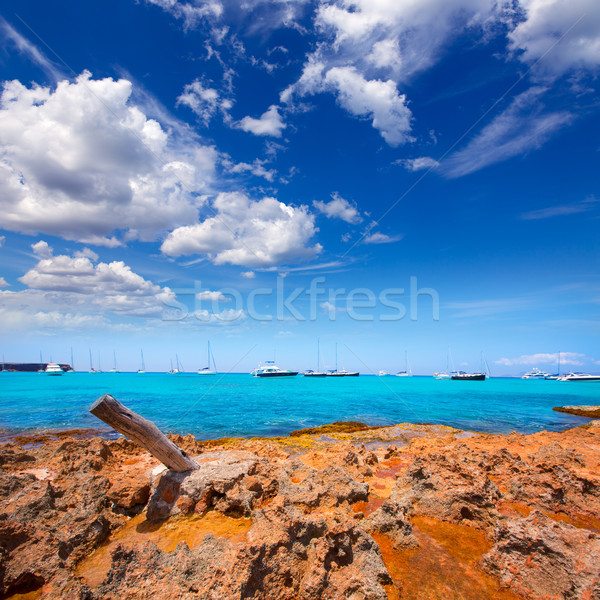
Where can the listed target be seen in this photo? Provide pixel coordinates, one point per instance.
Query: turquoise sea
(240, 405)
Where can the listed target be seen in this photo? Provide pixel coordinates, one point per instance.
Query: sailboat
(482, 375)
(42, 368)
(557, 375)
(114, 369)
(92, 370)
(143, 369)
(176, 370)
(447, 375)
(343, 372)
(207, 370)
(72, 369)
(318, 372)
(407, 372)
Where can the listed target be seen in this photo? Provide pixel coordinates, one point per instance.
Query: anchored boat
(270, 369)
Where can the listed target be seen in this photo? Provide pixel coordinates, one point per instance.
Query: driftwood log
(142, 432)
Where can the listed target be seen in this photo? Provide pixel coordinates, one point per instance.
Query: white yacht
(579, 377)
(383, 374)
(53, 369)
(270, 369)
(536, 374)
(446, 376)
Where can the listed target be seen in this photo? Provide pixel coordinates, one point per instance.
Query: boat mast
(558, 363)
(72, 366)
(208, 355)
(318, 355)
(91, 368)
(143, 365)
(336, 365)
(115, 360)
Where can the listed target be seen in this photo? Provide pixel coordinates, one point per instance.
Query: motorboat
(53, 369)
(270, 369)
(383, 374)
(536, 374)
(445, 376)
(579, 377)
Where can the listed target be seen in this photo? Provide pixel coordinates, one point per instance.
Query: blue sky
(171, 170)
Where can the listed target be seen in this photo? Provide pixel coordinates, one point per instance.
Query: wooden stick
(142, 432)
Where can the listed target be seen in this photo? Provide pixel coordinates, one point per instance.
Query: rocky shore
(410, 511)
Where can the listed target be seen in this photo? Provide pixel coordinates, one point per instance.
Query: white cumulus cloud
(192, 12)
(339, 208)
(418, 164)
(212, 296)
(80, 284)
(381, 238)
(81, 161)
(564, 35)
(566, 358)
(204, 101)
(268, 124)
(375, 99)
(246, 232)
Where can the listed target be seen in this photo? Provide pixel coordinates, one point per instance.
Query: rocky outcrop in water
(591, 412)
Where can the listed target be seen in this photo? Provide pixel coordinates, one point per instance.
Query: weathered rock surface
(329, 487)
(539, 557)
(288, 556)
(390, 518)
(305, 518)
(221, 481)
(453, 486)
